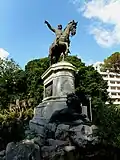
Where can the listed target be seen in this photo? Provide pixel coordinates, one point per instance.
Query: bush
(12, 125)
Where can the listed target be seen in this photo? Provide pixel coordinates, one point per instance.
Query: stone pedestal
(58, 82)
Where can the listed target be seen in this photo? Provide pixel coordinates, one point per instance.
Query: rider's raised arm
(49, 26)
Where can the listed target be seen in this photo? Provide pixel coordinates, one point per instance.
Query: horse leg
(57, 58)
(67, 49)
(65, 53)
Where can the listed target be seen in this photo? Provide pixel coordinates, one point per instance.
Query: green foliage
(89, 83)
(11, 129)
(75, 61)
(109, 126)
(112, 63)
(13, 85)
(11, 80)
(18, 84)
(34, 69)
(12, 125)
(7, 66)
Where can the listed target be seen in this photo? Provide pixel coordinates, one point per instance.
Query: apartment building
(113, 80)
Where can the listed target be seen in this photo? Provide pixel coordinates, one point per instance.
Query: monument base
(58, 82)
(43, 112)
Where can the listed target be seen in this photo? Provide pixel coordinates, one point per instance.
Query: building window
(113, 87)
(118, 88)
(118, 94)
(105, 76)
(114, 99)
(118, 82)
(112, 82)
(114, 94)
(118, 100)
(111, 76)
(117, 76)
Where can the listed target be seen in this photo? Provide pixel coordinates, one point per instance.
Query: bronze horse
(61, 45)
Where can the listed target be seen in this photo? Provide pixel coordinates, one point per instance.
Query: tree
(13, 118)
(75, 61)
(112, 63)
(12, 82)
(109, 130)
(7, 66)
(89, 83)
(16, 83)
(34, 69)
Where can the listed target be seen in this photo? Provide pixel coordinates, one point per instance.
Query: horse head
(72, 27)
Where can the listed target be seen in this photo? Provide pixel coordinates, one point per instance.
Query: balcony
(116, 102)
(114, 84)
(114, 96)
(113, 90)
(109, 73)
(111, 79)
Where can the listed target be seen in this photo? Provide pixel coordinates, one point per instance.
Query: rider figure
(57, 31)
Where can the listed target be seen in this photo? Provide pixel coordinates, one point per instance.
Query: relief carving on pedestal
(67, 86)
(64, 85)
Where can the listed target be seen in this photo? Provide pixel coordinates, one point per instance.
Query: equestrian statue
(61, 44)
